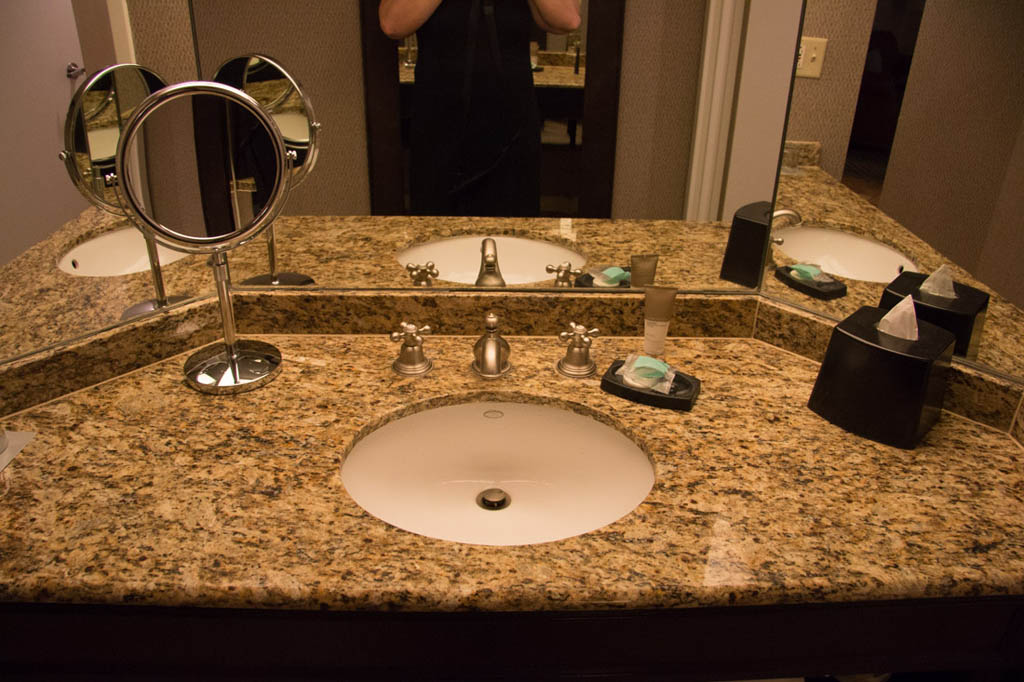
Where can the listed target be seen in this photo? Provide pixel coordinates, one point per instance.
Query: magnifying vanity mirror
(96, 117)
(203, 169)
(283, 98)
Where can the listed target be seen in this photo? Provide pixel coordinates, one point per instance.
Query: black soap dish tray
(586, 280)
(681, 396)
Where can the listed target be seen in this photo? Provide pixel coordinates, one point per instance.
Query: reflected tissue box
(747, 248)
(964, 315)
(882, 387)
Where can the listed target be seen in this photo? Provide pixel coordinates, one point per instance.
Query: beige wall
(162, 32)
(37, 40)
(660, 81)
(954, 177)
(318, 41)
(822, 109)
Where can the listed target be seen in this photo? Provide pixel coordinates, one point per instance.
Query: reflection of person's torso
(487, 60)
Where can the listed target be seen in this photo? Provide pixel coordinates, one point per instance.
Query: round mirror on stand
(283, 99)
(96, 117)
(215, 174)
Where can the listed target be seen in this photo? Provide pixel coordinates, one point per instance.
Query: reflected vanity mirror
(283, 98)
(204, 169)
(98, 113)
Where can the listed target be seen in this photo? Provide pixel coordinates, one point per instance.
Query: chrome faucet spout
(491, 352)
(490, 273)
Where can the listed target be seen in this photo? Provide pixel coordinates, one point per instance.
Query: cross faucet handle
(410, 334)
(579, 334)
(563, 272)
(577, 362)
(422, 275)
(411, 361)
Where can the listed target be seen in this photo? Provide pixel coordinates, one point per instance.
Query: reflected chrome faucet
(784, 213)
(490, 273)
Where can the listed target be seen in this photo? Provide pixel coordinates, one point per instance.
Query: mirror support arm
(154, 268)
(222, 276)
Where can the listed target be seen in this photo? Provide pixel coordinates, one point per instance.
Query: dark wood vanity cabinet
(984, 635)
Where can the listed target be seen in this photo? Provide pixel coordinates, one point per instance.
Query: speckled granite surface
(822, 200)
(128, 494)
(799, 153)
(521, 313)
(40, 305)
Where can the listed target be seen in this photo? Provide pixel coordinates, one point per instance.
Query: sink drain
(493, 499)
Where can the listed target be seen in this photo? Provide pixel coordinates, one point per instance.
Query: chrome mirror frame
(126, 187)
(69, 155)
(76, 109)
(236, 365)
(300, 172)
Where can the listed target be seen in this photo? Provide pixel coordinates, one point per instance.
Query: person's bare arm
(556, 16)
(401, 18)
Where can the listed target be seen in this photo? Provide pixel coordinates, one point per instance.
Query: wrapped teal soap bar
(610, 277)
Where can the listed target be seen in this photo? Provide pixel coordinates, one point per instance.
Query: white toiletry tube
(658, 302)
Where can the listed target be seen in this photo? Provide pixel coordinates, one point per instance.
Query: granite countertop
(141, 491)
(41, 305)
(822, 200)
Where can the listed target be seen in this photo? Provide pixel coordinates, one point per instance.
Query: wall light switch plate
(812, 56)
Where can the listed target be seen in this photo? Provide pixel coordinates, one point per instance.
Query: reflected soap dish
(681, 396)
(586, 280)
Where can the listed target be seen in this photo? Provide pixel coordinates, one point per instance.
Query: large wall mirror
(683, 137)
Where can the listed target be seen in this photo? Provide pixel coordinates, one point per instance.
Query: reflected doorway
(886, 68)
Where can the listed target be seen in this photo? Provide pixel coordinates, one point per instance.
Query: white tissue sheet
(940, 283)
(901, 321)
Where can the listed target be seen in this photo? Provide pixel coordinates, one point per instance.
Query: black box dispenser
(747, 248)
(964, 315)
(880, 386)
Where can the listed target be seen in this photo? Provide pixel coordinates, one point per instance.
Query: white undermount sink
(120, 252)
(548, 473)
(843, 254)
(521, 261)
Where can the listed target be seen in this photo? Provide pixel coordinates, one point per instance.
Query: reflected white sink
(562, 473)
(120, 252)
(522, 261)
(843, 254)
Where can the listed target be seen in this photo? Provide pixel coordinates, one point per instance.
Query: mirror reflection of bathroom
(106, 101)
(202, 166)
(93, 128)
(558, 65)
(902, 155)
(281, 96)
(886, 69)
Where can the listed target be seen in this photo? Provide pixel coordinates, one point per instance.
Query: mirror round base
(149, 306)
(281, 279)
(216, 369)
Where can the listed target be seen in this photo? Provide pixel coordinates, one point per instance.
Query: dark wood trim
(678, 644)
(601, 105)
(381, 95)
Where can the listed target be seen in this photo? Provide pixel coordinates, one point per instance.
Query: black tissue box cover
(747, 248)
(879, 386)
(964, 315)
